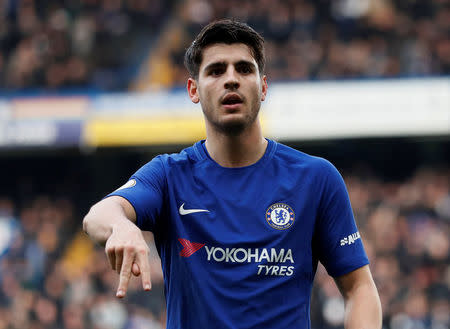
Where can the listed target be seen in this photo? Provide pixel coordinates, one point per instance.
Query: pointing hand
(128, 254)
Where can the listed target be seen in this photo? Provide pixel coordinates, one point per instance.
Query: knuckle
(124, 271)
(143, 251)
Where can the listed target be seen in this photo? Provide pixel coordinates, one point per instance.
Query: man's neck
(241, 150)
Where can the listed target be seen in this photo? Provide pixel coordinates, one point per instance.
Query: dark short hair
(224, 31)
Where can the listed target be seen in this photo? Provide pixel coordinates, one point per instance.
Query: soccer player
(240, 221)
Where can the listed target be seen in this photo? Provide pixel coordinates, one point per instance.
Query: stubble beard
(234, 128)
(231, 128)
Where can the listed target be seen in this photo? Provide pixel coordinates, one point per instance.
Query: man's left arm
(362, 303)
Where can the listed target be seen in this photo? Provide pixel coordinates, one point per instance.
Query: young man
(240, 222)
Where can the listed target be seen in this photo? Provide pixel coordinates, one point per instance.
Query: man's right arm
(111, 223)
(105, 215)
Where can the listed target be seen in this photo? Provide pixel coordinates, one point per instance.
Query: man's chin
(232, 127)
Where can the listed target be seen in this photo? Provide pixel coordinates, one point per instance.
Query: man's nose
(231, 79)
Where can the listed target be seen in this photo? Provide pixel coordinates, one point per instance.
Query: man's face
(229, 87)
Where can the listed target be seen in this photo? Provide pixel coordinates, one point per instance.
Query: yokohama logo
(271, 261)
(189, 248)
(238, 255)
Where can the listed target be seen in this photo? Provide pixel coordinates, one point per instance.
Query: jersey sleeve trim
(347, 266)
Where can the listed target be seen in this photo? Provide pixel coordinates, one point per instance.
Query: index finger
(125, 274)
(144, 265)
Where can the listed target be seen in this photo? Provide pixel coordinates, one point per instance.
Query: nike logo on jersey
(183, 211)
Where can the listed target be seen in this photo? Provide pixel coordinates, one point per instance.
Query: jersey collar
(202, 154)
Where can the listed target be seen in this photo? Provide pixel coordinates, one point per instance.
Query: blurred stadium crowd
(88, 43)
(102, 43)
(325, 39)
(53, 277)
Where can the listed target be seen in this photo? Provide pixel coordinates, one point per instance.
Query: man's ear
(264, 87)
(192, 90)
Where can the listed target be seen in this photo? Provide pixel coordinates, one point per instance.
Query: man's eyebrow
(244, 62)
(214, 65)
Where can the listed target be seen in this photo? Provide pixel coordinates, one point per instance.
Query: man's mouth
(232, 101)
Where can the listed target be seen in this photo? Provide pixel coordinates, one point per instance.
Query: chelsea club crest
(280, 216)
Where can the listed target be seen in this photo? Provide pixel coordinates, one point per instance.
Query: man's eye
(245, 69)
(216, 72)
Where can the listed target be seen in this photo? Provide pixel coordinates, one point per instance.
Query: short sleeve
(145, 191)
(339, 244)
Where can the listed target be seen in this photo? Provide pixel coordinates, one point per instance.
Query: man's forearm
(102, 218)
(362, 303)
(363, 308)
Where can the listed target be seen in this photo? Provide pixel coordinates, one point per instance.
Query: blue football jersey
(240, 246)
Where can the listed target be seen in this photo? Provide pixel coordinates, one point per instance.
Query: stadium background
(91, 90)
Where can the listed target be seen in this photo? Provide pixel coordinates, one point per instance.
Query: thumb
(135, 269)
